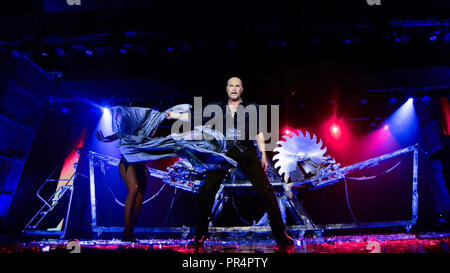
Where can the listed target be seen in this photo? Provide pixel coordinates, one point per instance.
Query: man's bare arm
(180, 116)
(262, 148)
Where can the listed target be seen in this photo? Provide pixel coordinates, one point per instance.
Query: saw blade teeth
(276, 157)
(277, 164)
(289, 150)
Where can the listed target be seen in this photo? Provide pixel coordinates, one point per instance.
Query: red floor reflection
(387, 243)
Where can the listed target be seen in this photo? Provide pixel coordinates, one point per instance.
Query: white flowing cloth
(135, 127)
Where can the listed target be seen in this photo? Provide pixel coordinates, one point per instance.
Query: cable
(156, 194)
(170, 208)
(362, 179)
(115, 198)
(237, 213)
(348, 202)
(375, 176)
(148, 200)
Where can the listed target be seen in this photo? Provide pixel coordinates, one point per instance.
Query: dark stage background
(321, 61)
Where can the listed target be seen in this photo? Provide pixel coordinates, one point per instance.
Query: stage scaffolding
(287, 200)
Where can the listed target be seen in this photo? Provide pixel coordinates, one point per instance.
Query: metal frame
(407, 224)
(101, 229)
(285, 201)
(291, 202)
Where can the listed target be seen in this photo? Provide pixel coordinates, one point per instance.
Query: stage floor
(382, 243)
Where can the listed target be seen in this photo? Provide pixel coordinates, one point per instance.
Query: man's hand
(264, 163)
(172, 115)
(180, 116)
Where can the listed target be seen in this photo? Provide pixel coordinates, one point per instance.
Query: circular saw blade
(297, 149)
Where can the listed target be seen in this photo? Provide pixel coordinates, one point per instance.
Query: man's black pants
(250, 164)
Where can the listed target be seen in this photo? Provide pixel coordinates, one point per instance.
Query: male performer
(245, 154)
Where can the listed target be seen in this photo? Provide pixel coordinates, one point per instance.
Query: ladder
(32, 227)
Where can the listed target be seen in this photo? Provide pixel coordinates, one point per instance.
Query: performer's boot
(276, 222)
(284, 240)
(128, 236)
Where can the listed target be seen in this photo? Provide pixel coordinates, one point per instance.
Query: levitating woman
(135, 176)
(135, 128)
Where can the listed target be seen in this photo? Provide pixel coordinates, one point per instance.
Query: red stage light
(334, 129)
(286, 130)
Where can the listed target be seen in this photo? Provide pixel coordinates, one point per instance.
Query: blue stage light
(105, 125)
(404, 124)
(426, 99)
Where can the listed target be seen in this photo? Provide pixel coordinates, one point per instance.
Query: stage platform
(363, 243)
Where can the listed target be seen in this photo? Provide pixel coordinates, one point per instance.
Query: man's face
(234, 89)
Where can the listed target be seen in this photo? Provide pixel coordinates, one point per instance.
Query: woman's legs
(135, 181)
(142, 176)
